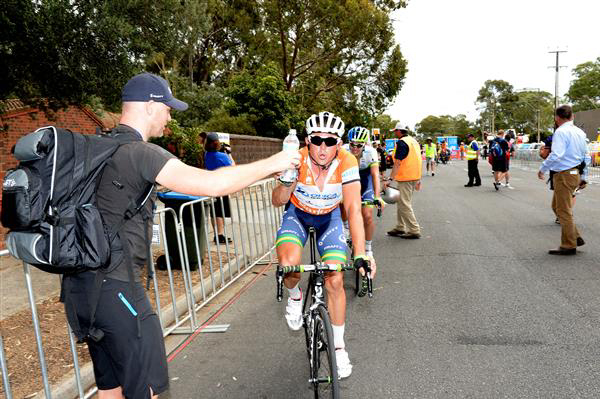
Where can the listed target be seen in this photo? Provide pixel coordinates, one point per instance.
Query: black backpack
(49, 200)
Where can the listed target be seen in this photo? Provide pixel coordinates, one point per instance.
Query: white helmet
(390, 195)
(325, 122)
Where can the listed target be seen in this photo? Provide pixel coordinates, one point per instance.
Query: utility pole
(556, 68)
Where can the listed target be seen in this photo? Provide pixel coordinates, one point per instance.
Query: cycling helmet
(325, 122)
(390, 195)
(359, 134)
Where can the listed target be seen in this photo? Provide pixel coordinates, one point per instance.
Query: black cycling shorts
(120, 358)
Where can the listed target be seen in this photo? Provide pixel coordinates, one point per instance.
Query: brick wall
(246, 149)
(26, 120)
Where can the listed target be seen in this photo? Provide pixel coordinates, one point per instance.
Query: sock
(295, 292)
(338, 336)
(346, 226)
(368, 245)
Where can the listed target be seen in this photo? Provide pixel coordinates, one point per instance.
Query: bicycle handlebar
(319, 266)
(375, 203)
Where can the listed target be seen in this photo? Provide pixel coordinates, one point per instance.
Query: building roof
(11, 104)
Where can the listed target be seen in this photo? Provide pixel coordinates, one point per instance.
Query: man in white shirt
(568, 155)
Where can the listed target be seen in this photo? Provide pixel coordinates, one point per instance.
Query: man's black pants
(473, 172)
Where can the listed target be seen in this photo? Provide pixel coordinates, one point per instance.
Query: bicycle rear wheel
(325, 376)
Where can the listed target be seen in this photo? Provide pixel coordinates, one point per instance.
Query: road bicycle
(316, 322)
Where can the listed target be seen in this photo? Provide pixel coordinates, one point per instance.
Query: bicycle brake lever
(369, 284)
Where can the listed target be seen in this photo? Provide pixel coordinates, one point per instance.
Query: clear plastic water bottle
(290, 143)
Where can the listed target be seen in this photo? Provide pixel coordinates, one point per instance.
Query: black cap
(470, 135)
(146, 87)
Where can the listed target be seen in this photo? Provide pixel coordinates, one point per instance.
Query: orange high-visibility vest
(410, 167)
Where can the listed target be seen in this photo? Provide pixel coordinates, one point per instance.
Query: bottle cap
(293, 131)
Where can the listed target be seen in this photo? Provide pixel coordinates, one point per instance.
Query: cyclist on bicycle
(370, 187)
(327, 176)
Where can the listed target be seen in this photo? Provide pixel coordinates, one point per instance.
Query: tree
(496, 97)
(89, 48)
(584, 92)
(532, 111)
(331, 52)
(262, 95)
(445, 125)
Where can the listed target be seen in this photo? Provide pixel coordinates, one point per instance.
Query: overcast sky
(454, 46)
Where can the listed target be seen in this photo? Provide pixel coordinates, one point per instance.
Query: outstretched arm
(186, 179)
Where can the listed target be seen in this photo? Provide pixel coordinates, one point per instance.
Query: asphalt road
(474, 309)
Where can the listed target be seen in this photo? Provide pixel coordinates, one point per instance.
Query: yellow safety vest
(429, 150)
(471, 153)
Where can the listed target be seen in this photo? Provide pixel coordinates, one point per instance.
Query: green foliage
(256, 66)
(445, 125)
(184, 142)
(584, 92)
(263, 96)
(222, 121)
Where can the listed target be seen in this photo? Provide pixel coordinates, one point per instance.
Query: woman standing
(215, 158)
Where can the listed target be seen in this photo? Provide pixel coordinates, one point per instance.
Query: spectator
(382, 159)
(498, 150)
(407, 175)
(568, 157)
(218, 155)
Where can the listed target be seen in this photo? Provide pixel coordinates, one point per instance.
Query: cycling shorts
(331, 241)
(367, 193)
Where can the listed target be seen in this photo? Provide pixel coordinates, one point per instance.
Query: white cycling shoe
(293, 314)
(344, 367)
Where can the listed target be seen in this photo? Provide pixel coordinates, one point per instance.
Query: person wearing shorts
(328, 175)
(499, 162)
(108, 308)
(429, 148)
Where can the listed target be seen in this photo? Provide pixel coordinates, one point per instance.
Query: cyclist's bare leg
(367, 214)
(289, 254)
(336, 297)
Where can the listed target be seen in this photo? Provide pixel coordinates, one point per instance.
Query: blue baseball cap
(146, 86)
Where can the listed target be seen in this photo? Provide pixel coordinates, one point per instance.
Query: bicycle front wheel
(325, 376)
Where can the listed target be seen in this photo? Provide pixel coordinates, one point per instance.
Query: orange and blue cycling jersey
(309, 198)
(311, 207)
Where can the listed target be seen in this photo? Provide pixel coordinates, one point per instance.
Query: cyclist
(368, 169)
(327, 176)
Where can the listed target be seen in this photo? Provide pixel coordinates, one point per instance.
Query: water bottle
(290, 143)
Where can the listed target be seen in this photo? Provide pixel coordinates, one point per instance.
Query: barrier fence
(530, 159)
(208, 267)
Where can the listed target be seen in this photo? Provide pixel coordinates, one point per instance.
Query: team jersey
(368, 158)
(307, 196)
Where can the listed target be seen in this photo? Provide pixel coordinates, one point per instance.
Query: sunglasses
(357, 145)
(329, 141)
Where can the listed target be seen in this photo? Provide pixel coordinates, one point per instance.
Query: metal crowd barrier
(251, 228)
(530, 159)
